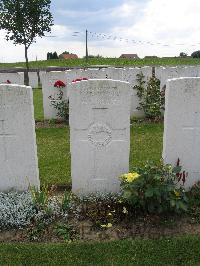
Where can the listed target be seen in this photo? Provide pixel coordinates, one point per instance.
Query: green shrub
(61, 105)
(151, 100)
(154, 189)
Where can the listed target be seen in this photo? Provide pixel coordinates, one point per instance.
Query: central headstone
(99, 134)
(18, 152)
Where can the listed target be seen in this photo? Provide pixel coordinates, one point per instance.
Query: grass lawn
(106, 61)
(38, 104)
(54, 150)
(173, 251)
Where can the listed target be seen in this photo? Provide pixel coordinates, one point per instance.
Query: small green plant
(40, 197)
(103, 210)
(36, 231)
(194, 202)
(66, 232)
(52, 122)
(151, 100)
(65, 203)
(154, 189)
(60, 104)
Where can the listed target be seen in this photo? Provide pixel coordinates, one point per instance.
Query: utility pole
(86, 46)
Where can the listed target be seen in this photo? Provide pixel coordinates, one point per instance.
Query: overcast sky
(145, 27)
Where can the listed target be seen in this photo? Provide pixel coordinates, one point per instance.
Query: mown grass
(54, 155)
(54, 150)
(38, 104)
(106, 61)
(172, 251)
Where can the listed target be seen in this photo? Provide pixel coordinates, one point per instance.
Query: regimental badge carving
(100, 135)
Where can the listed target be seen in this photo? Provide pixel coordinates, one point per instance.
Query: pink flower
(59, 84)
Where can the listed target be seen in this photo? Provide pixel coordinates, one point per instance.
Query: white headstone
(130, 75)
(182, 126)
(18, 152)
(99, 134)
(33, 79)
(48, 80)
(13, 78)
(165, 73)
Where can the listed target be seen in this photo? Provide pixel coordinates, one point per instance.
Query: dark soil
(147, 227)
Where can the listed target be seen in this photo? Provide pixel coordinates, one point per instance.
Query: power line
(104, 37)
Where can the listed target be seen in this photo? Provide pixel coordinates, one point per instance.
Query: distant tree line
(196, 54)
(93, 56)
(52, 55)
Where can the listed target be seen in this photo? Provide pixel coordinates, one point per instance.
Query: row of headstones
(124, 74)
(162, 73)
(99, 133)
(18, 78)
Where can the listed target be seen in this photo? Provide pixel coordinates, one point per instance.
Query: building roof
(129, 56)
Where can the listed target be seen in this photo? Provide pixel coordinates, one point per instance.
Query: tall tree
(23, 21)
(55, 55)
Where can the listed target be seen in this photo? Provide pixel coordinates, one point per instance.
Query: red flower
(79, 79)
(59, 84)
(8, 81)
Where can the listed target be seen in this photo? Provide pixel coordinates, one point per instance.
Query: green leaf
(172, 202)
(176, 169)
(149, 193)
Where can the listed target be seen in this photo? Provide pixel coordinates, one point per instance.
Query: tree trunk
(26, 77)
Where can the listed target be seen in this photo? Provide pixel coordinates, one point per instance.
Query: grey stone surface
(182, 126)
(18, 152)
(99, 134)
(48, 80)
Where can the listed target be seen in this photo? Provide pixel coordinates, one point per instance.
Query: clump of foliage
(34, 209)
(194, 202)
(16, 210)
(102, 209)
(153, 189)
(60, 104)
(195, 54)
(151, 100)
(51, 55)
(182, 54)
(66, 231)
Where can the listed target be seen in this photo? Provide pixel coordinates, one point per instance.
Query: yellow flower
(109, 225)
(130, 177)
(109, 214)
(103, 225)
(125, 211)
(177, 193)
